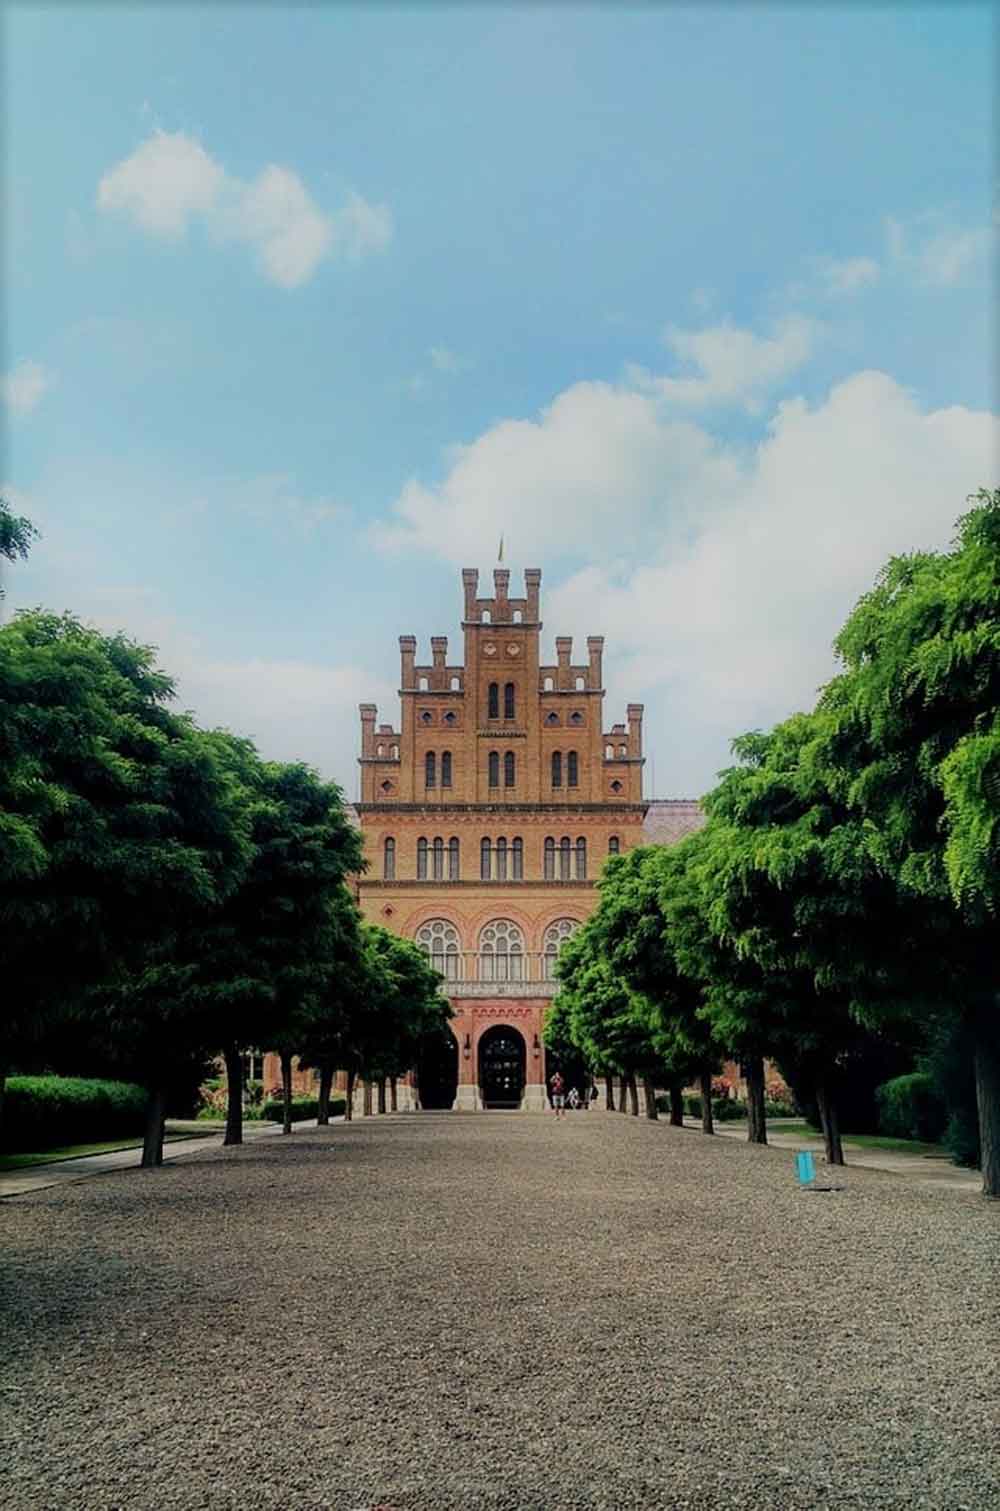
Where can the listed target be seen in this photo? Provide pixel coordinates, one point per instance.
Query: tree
(410, 1009)
(16, 536)
(118, 829)
(914, 717)
(599, 1013)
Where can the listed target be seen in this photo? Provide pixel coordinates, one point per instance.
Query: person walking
(557, 1087)
(573, 1100)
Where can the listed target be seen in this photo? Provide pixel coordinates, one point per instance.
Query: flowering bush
(722, 1087)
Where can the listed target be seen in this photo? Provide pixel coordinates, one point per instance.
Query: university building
(487, 815)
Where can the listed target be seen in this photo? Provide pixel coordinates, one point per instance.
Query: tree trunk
(633, 1096)
(650, 1096)
(705, 1083)
(152, 1143)
(323, 1097)
(367, 1106)
(234, 1094)
(623, 1094)
(393, 1106)
(3, 1084)
(756, 1124)
(827, 1103)
(286, 1090)
(609, 1092)
(381, 1094)
(349, 1103)
(986, 1055)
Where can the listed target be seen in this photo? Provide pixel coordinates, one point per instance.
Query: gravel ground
(498, 1312)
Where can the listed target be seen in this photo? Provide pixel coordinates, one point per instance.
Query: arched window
(426, 717)
(494, 769)
(394, 752)
(555, 935)
(485, 616)
(572, 770)
(580, 684)
(446, 768)
(501, 952)
(501, 860)
(609, 752)
(576, 717)
(517, 859)
(556, 768)
(449, 718)
(430, 772)
(565, 856)
(614, 846)
(517, 616)
(453, 866)
(548, 684)
(623, 750)
(552, 718)
(437, 856)
(508, 700)
(421, 860)
(423, 684)
(493, 701)
(380, 751)
(485, 860)
(550, 860)
(389, 860)
(581, 860)
(439, 939)
(508, 768)
(456, 684)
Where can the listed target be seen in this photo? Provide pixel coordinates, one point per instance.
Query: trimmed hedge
(302, 1109)
(911, 1107)
(48, 1112)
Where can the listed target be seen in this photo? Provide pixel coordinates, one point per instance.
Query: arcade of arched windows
(498, 953)
(563, 859)
(501, 858)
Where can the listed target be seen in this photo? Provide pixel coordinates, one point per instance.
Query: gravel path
(498, 1312)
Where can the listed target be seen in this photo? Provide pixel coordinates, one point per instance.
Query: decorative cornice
(460, 990)
(410, 883)
(500, 810)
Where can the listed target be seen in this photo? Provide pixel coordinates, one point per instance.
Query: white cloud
(24, 387)
(164, 182)
(734, 365)
(599, 467)
(934, 253)
(851, 275)
(170, 179)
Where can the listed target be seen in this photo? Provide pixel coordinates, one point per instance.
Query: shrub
(273, 1111)
(910, 1107)
(725, 1110)
(47, 1112)
(692, 1105)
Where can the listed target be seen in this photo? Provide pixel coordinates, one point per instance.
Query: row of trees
(166, 894)
(844, 889)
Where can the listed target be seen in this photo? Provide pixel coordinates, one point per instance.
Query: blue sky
(305, 306)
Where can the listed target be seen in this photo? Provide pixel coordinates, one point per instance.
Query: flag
(500, 550)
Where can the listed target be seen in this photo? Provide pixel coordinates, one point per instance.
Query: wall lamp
(467, 1046)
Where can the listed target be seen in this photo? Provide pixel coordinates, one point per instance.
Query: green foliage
(47, 1112)
(303, 1108)
(16, 535)
(910, 1107)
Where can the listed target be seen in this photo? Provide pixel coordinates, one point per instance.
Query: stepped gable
(670, 819)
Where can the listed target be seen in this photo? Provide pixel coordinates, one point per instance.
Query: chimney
(408, 655)
(634, 712)
(470, 585)
(595, 650)
(439, 649)
(532, 583)
(564, 649)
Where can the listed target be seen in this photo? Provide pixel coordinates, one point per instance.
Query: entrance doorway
(501, 1068)
(437, 1073)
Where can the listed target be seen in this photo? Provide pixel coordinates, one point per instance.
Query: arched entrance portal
(437, 1073)
(501, 1068)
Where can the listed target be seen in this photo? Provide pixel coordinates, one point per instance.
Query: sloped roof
(669, 819)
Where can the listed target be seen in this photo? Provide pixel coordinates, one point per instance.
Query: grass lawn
(77, 1151)
(865, 1140)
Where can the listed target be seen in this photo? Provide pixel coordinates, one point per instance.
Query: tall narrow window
(508, 700)
(572, 769)
(494, 769)
(421, 860)
(430, 771)
(453, 867)
(614, 845)
(501, 860)
(565, 857)
(389, 860)
(508, 769)
(446, 768)
(493, 701)
(438, 860)
(517, 859)
(550, 860)
(581, 860)
(485, 859)
(556, 768)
